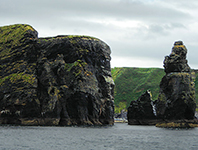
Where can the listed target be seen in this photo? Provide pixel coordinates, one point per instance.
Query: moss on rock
(176, 125)
(61, 77)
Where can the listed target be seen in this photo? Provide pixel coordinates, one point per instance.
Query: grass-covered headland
(131, 82)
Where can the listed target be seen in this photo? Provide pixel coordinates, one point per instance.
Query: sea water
(118, 137)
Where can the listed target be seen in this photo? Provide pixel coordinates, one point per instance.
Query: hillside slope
(130, 83)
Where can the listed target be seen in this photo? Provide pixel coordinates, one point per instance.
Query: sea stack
(140, 112)
(177, 89)
(62, 80)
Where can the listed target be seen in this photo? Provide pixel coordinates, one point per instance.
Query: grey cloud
(161, 22)
(190, 4)
(164, 29)
(154, 28)
(89, 8)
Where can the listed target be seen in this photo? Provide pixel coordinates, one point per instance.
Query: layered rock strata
(63, 80)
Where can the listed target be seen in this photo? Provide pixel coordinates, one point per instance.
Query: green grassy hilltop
(130, 83)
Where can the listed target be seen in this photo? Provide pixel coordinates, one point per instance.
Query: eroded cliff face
(63, 80)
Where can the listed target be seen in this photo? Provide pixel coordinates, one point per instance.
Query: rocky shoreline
(178, 124)
(166, 123)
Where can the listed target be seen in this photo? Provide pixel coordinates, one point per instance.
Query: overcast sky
(139, 32)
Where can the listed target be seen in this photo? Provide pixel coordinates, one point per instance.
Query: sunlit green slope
(130, 83)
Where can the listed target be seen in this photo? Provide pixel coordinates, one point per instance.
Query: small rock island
(176, 100)
(62, 80)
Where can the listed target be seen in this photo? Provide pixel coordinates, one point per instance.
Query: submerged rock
(65, 78)
(177, 92)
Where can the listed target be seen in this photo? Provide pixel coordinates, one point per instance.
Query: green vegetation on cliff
(64, 77)
(17, 68)
(130, 83)
(13, 37)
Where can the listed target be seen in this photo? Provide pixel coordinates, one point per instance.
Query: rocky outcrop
(177, 93)
(176, 99)
(141, 110)
(63, 80)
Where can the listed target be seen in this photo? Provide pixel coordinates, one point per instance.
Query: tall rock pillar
(177, 92)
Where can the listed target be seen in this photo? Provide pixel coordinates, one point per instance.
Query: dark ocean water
(118, 137)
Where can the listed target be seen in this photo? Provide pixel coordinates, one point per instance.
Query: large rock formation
(177, 93)
(63, 80)
(176, 101)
